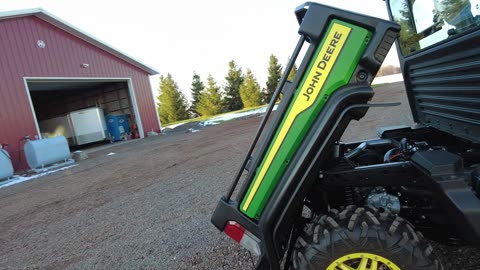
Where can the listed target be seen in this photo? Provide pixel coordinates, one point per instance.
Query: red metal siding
(62, 57)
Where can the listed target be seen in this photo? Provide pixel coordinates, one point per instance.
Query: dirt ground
(149, 205)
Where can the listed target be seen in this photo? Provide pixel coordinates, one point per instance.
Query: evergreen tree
(292, 73)
(234, 79)
(173, 106)
(250, 91)
(274, 75)
(449, 9)
(197, 88)
(210, 102)
(408, 35)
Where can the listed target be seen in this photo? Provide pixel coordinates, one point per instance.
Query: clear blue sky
(179, 37)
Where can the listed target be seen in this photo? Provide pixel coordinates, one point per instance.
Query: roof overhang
(46, 16)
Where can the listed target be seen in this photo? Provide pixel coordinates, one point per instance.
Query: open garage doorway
(85, 111)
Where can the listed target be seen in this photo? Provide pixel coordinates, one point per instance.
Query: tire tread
(362, 228)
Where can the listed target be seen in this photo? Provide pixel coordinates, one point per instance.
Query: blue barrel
(117, 125)
(122, 121)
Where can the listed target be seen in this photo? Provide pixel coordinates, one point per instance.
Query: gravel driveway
(149, 205)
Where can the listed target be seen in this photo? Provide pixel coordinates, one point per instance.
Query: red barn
(49, 68)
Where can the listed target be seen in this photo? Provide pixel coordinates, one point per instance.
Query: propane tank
(41, 153)
(6, 168)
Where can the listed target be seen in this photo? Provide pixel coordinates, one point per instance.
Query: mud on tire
(362, 230)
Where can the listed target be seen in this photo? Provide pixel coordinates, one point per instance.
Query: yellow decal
(308, 94)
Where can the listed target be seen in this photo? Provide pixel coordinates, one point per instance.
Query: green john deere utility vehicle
(306, 200)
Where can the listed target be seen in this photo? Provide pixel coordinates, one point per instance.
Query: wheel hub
(362, 261)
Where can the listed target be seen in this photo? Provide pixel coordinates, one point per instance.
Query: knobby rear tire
(362, 230)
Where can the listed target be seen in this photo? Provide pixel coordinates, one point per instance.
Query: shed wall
(62, 56)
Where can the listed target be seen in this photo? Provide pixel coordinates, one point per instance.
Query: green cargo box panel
(331, 67)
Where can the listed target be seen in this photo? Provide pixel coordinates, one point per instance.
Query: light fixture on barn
(41, 44)
(85, 65)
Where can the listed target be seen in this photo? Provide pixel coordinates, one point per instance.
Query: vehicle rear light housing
(245, 238)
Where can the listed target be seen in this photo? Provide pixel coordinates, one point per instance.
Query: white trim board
(155, 105)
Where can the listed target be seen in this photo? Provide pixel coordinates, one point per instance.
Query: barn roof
(48, 17)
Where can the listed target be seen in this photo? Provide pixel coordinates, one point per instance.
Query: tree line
(241, 90)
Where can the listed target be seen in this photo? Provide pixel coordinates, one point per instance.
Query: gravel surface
(149, 205)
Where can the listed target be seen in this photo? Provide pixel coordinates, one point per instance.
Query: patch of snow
(19, 179)
(111, 154)
(230, 116)
(208, 123)
(174, 126)
(152, 133)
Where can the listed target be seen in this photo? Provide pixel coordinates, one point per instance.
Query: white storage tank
(6, 168)
(45, 152)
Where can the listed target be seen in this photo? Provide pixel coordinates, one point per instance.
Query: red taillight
(243, 237)
(234, 230)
